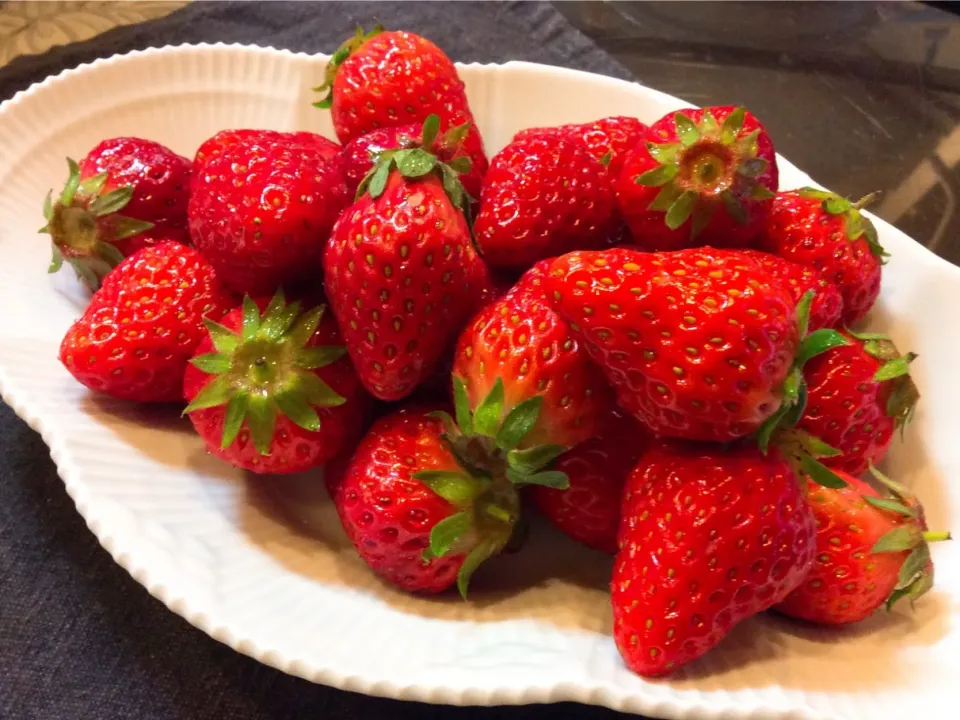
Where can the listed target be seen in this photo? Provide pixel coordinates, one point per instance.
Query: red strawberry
(270, 390)
(143, 325)
(829, 233)
(589, 510)
(401, 270)
(709, 537)
(359, 154)
(699, 177)
(698, 343)
(147, 181)
(871, 551)
(417, 517)
(541, 197)
(857, 395)
(263, 205)
(383, 79)
(608, 139)
(827, 306)
(518, 349)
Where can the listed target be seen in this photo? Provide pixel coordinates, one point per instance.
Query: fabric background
(79, 638)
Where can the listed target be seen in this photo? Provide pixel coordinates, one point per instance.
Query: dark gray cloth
(79, 639)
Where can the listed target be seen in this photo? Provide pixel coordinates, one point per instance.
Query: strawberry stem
(936, 535)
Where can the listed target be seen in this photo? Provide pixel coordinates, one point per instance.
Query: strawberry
(857, 395)
(701, 344)
(872, 550)
(263, 204)
(519, 348)
(147, 181)
(589, 510)
(827, 304)
(543, 196)
(142, 326)
(359, 154)
(709, 537)
(608, 139)
(270, 389)
(425, 501)
(383, 79)
(699, 177)
(401, 271)
(829, 233)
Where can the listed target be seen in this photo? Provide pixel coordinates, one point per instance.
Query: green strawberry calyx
(801, 448)
(855, 224)
(915, 577)
(266, 370)
(349, 46)
(84, 222)
(712, 165)
(487, 443)
(895, 369)
(420, 159)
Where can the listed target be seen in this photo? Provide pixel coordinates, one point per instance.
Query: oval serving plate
(261, 564)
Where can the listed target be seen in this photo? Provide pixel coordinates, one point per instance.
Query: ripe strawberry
(871, 551)
(263, 204)
(270, 390)
(829, 233)
(401, 270)
(827, 304)
(589, 510)
(519, 348)
(857, 395)
(698, 343)
(383, 79)
(541, 197)
(142, 326)
(699, 177)
(426, 501)
(608, 139)
(146, 180)
(359, 154)
(709, 537)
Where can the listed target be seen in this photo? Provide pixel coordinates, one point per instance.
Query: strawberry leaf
(752, 167)
(211, 363)
(820, 473)
(533, 459)
(686, 130)
(446, 532)
(803, 314)
(261, 419)
(895, 368)
(734, 207)
(475, 558)
(111, 202)
(657, 177)
(486, 418)
(93, 185)
(56, 261)
(461, 404)
(233, 419)
(73, 182)
(665, 198)
(680, 211)
(414, 163)
(549, 478)
(48, 206)
(318, 357)
(215, 393)
(224, 339)
(732, 125)
(708, 123)
(251, 319)
(431, 126)
(317, 392)
(124, 227)
(665, 153)
(889, 504)
(378, 181)
(819, 342)
(899, 539)
(519, 422)
(456, 488)
(293, 405)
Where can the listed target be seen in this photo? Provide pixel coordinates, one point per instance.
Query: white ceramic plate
(262, 565)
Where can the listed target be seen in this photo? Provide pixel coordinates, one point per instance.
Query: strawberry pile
(627, 328)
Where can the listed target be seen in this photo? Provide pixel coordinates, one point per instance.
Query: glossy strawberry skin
(846, 407)
(263, 204)
(648, 227)
(589, 510)
(848, 582)
(522, 341)
(827, 306)
(798, 229)
(293, 449)
(709, 537)
(543, 196)
(610, 136)
(387, 513)
(401, 276)
(399, 78)
(695, 342)
(160, 179)
(143, 325)
(357, 155)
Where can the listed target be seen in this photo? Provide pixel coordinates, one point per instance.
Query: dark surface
(863, 96)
